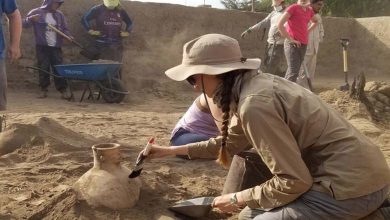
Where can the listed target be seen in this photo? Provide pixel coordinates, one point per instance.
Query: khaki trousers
(314, 205)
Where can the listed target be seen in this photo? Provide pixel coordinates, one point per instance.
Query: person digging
(48, 43)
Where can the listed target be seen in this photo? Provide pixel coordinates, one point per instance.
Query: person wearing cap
(108, 32)
(296, 19)
(48, 42)
(274, 61)
(304, 142)
(316, 35)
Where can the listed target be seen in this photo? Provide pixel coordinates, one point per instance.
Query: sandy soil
(47, 144)
(50, 149)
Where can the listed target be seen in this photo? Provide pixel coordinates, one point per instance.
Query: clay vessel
(107, 183)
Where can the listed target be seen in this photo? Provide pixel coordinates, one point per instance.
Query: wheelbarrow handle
(42, 70)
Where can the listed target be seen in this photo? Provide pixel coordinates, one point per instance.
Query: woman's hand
(158, 151)
(225, 203)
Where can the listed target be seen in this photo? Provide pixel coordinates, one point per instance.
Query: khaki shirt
(271, 22)
(305, 143)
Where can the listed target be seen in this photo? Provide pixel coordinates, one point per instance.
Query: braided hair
(227, 101)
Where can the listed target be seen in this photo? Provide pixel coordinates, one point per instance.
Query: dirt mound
(357, 113)
(41, 162)
(378, 93)
(45, 132)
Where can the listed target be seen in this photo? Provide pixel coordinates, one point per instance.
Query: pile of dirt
(41, 161)
(378, 130)
(378, 93)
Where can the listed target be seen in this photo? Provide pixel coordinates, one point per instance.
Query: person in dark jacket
(48, 42)
(108, 19)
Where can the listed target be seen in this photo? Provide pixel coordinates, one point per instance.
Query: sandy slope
(35, 179)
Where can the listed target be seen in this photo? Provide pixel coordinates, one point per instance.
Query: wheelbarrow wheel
(111, 96)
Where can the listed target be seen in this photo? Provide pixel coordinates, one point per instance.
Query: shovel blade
(195, 208)
(344, 87)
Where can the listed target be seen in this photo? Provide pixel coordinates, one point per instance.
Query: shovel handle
(64, 35)
(345, 59)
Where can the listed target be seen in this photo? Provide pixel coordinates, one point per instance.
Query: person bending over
(322, 167)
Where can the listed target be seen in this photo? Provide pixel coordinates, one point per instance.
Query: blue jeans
(182, 137)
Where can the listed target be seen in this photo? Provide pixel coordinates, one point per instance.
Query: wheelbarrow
(104, 75)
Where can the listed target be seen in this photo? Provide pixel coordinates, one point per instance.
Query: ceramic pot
(107, 183)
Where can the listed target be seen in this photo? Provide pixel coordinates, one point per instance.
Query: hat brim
(183, 71)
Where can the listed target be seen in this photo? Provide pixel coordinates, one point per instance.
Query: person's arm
(313, 23)
(90, 15)
(263, 24)
(264, 125)
(32, 16)
(65, 27)
(126, 18)
(158, 151)
(15, 26)
(282, 29)
(235, 143)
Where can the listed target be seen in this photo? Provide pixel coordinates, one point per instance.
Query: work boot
(64, 95)
(42, 94)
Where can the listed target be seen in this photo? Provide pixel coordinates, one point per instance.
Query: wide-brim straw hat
(211, 54)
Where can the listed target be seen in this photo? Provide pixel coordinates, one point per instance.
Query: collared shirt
(270, 21)
(304, 142)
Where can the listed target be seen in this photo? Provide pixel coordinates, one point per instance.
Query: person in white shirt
(316, 35)
(274, 61)
(48, 43)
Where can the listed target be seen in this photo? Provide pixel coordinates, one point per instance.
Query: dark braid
(223, 99)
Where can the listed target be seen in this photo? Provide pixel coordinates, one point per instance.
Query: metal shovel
(306, 71)
(88, 53)
(194, 208)
(344, 43)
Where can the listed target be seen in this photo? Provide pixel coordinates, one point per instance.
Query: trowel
(194, 208)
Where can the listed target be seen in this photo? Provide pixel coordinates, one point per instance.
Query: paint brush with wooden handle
(140, 160)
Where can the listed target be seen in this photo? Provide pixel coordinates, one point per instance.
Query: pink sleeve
(291, 9)
(312, 12)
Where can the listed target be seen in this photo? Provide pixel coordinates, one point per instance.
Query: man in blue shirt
(9, 8)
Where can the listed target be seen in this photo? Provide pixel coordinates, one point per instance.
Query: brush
(140, 160)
